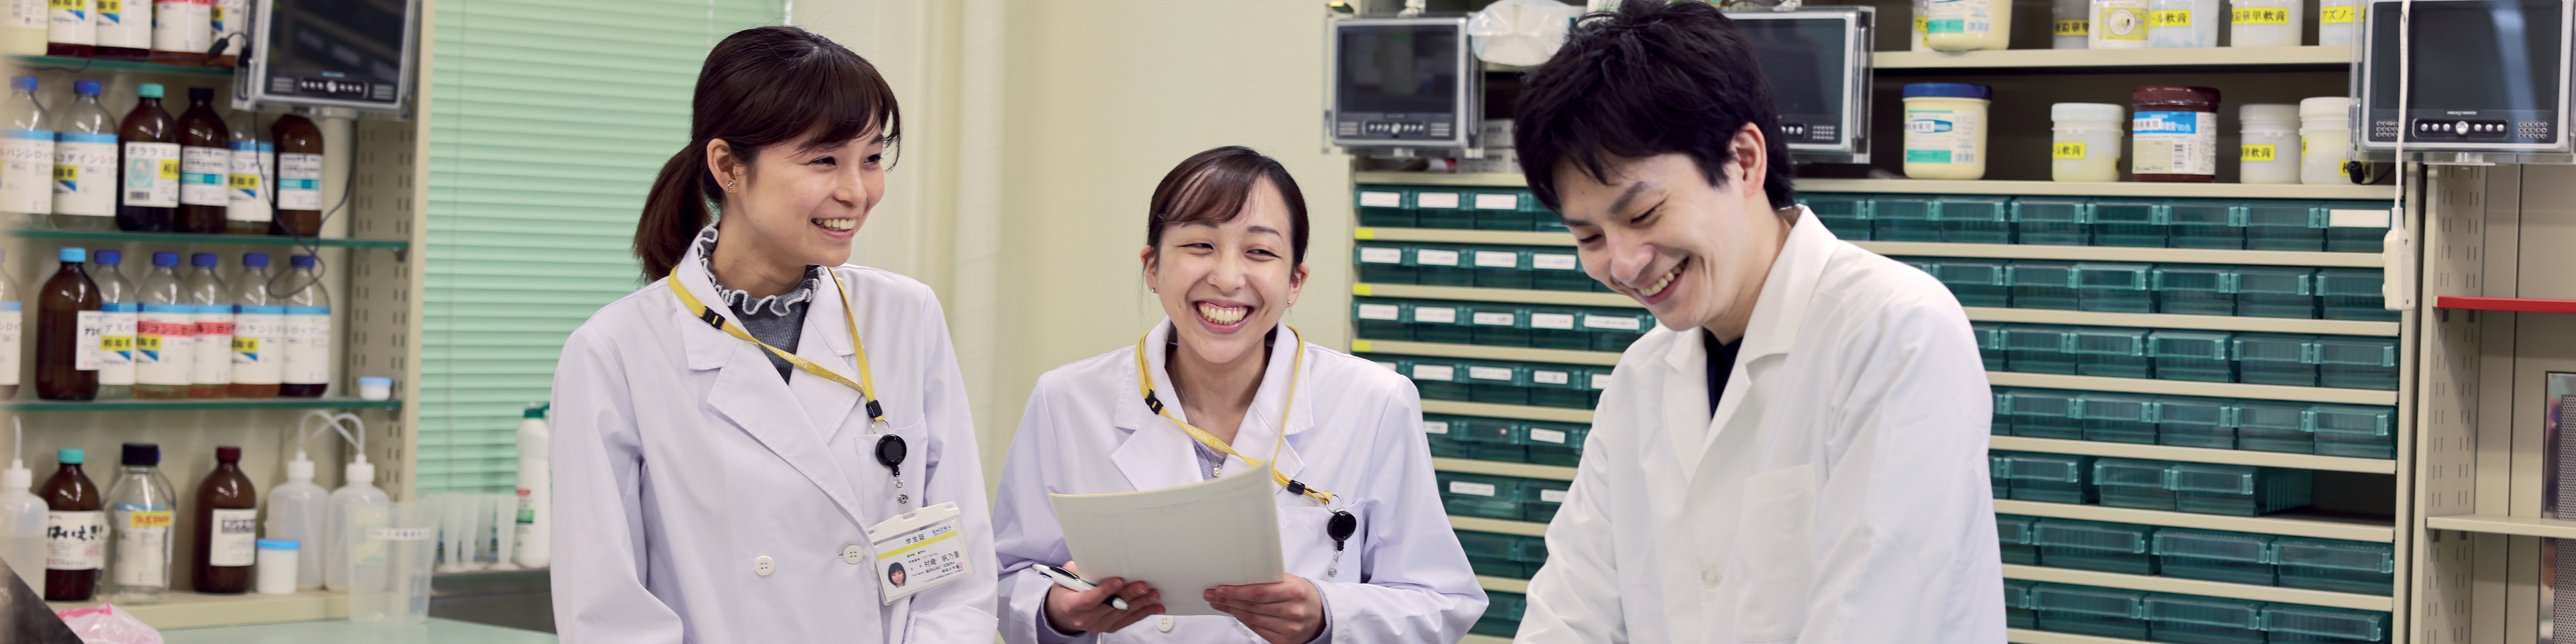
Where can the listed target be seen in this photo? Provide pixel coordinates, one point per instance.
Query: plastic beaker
(391, 546)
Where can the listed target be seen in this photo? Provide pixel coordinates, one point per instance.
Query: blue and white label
(151, 174)
(27, 172)
(1969, 17)
(258, 345)
(1943, 136)
(13, 322)
(247, 183)
(2174, 143)
(299, 181)
(214, 363)
(308, 345)
(165, 344)
(84, 174)
(116, 342)
(203, 171)
(68, 22)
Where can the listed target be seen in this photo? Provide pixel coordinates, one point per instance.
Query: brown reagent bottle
(149, 144)
(68, 327)
(75, 531)
(227, 530)
(205, 164)
(299, 176)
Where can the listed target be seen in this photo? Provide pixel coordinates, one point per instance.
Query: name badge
(919, 550)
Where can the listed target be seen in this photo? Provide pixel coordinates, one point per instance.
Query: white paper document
(1182, 540)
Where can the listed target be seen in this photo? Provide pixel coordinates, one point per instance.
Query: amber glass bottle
(299, 176)
(75, 531)
(205, 163)
(227, 526)
(147, 188)
(68, 326)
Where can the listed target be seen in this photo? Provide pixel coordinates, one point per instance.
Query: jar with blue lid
(1945, 130)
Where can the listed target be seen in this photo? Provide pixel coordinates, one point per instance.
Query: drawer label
(1436, 200)
(1377, 255)
(1435, 314)
(1435, 427)
(1550, 378)
(1435, 372)
(1497, 259)
(1563, 321)
(1556, 436)
(1607, 322)
(1498, 202)
(1378, 312)
(1489, 373)
(1471, 488)
(1429, 257)
(1381, 200)
(1493, 319)
(1555, 262)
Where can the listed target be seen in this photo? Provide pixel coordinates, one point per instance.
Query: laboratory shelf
(1480, 352)
(1515, 412)
(1456, 236)
(2197, 455)
(1498, 526)
(2121, 254)
(2515, 304)
(204, 404)
(2100, 188)
(2495, 524)
(2317, 58)
(2026, 636)
(2293, 524)
(183, 609)
(1515, 296)
(1504, 584)
(2188, 388)
(124, 237)
(1473, 638)
(1499, 468)
(1484, 179)
(2173, 321)
(78, 65)
(2203, 588)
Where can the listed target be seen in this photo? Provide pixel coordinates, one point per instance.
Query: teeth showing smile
(836, 224)
(1667, 281)
(1223, 314)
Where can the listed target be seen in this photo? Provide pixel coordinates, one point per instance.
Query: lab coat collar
(1777, 316)
(714, 349)
(1158, 454)
(749, 392)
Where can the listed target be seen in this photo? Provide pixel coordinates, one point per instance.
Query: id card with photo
(920, 550)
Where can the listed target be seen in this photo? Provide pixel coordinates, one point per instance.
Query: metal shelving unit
(2187, 388)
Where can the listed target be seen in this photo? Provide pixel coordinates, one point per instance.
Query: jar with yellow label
(2268, 150)
(1922, 17)
(2325, 136)
(1945, 130)
(1968, 25)
(2263, 23)
(2338, 21)
(2118, 24)
(2084, 144)
(2182, 23)
(2071, 23)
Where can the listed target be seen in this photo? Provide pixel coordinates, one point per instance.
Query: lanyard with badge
(915, 550)
(1342, 524)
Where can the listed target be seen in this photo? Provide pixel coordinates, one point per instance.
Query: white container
(536, 492)
(2337, 22)
(2118, 24)
(1945, 130)
(375, 388)
(359, 491)
(277, 566)
(2182, 23)
(2084, 142)
(1922, 17)
(22, 525)
(2071, 24)
(2325, 136)
(2268, 151)
(391, 546)
(2263, 23)
(295, 512)
(1969, 25)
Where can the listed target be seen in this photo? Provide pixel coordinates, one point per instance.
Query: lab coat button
(1711, 577)
(763, 566)
(853, 555)
(1163, 623)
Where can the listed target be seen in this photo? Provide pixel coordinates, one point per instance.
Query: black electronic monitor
(331, 54)
(1404, 83)
(1818, 63)
(2482, 76)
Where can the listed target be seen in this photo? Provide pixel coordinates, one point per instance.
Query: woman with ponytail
(747, 446)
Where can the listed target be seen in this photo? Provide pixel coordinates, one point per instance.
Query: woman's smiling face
(1225, 284)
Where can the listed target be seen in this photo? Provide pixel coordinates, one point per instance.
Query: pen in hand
(1073, 582)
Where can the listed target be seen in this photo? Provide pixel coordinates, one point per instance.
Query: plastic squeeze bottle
(295, 514)
(536, 491)
(360, 490)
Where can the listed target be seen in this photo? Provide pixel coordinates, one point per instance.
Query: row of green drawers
(1497, 324)
(1504, 440)
(1500, 382)
(2186, 289)
(2332, 565)
(2080, 221)
(2198, 488)
(1502, 614)
(2297, 360)
(1509, 498)
(1454, 208)
(2189, 619)
(1516, 267)
(2359, 431)
(1503, 555)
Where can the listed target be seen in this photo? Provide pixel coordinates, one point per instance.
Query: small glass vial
(2325, 136)
(2084, 143)
(2118, 24)
(2182, 23)
(1945, 130)
(2263, 23)
(2268, 152)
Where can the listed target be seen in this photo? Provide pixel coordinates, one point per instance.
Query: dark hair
(1655, 77)
(760, 87)
(1210, 187)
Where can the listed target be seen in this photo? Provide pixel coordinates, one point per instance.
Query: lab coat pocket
(1775, 551)
(1303, 545)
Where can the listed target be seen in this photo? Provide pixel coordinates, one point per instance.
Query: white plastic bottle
(536, 491)
(2325, 136)
(360, 490)
(120, 306)
(2071, 23)
(2119, 24)
(2268, 152)
(210, 375)
(2085, 141)
(26, 156)
(22, 520)
(2263, 23)
(69, 29)
(2338, 21)
(295, 511)
(2182, 23)
(183, 26)
(1969, 25)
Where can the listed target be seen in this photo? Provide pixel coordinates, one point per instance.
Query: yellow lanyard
(1145, 385)
(865, 386)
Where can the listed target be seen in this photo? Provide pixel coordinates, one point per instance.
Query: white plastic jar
(2325, 136)
(2071, 24)
(1945, 130)
(2338, 21)
(2084, 142)
(1969, 25)
(2118, 24)
(2268, 148)
(2182, 23)
(2263, 23)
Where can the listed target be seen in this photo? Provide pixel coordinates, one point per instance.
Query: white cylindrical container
(536, 492)
(2084, 143)
(2071, 23)
(2118, 24)
(22, 525)
(2325, 136)
(277, 569)
(2268, 152)
(1922, 17)
(375, 388)
(1969, 25)
(2263, 23)
(2337, 22)
(1945, 130)
(2182, 23)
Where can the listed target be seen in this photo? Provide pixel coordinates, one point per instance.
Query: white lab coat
(1839, 495)
(698, 497)
(1355, 430)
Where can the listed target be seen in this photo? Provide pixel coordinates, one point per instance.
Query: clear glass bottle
(308, 333)
(254, 164)
(212, 373)
(85, 158)
(142, 508)
(259, 332)
(165, 341)
(26, 156)
(121, 309)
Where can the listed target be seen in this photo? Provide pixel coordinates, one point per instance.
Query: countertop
(437, 631)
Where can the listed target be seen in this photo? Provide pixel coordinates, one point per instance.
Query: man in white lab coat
(1798, 454)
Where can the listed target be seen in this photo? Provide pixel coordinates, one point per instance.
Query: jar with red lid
(2173, 134)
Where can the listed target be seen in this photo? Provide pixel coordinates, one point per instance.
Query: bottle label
(75, 539)
(230, 18)
(2261, 16)
(13, 316)
(2120, 20)
(214, 364)
(299, 181)
(69, 22)
(2260, 153)
(26, 14)
(183, 25)
(124, 23)
(2174, 143)
(165, 344)
(27, 171)
(308, 345)
(234, 540)
(2335, 15)
(247, 185)
(85, 174)
(142, 546)
(258, 334)
(93, 326)
(2067, 150)
(1943, 136)
(116, 344)
(202, 174)
(152, 174)
(2076, 27)
(2169, 18)
(1970, 17)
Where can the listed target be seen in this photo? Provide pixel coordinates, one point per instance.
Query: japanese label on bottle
(299, 181)
(93, 325)
(142, 546)
(13, 316)
(25, 14)
(2169, 18)
(1942, 136)
(247, 185)
(116, 343)
(2120, 20)
(202, 174)
(183, 25)
(308, 345)
(69, 22)
(152, 174)
(1972, 17)
(165, 344)
(124, 23)
(75, 539)
(258, 344)
(2066, 150)
(2261, 16)
(214, 363)
(2075, 27)
(85, 174)
(2174, 143)
(2259, 153)
(27, 171)
(2335, 13)
(234, 539)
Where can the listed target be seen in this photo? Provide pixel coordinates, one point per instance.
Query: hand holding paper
(1181, 540)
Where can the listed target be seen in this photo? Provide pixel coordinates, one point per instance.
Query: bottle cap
(69, 456)
(2326, 107)
(2267, 113)
(360, 474)
(2174, 95)
(148, 90)
(165, 259)
(2087, 112)
(1949, 90)
(227, 454)
(85, 88)
(258, 260)
(74, 254)
(23, 82)
(143, 454)
(299, 470)
(300, 261)
(536, 411)
(204, 260)
(201, 93)
(379, 381)
(16, 478)
(279, 544)
(108, 257)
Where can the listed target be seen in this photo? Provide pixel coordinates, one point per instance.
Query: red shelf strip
(2506, 304)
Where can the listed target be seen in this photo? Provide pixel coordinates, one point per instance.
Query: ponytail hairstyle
(761, 87)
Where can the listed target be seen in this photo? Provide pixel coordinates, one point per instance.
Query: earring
(728, 186)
